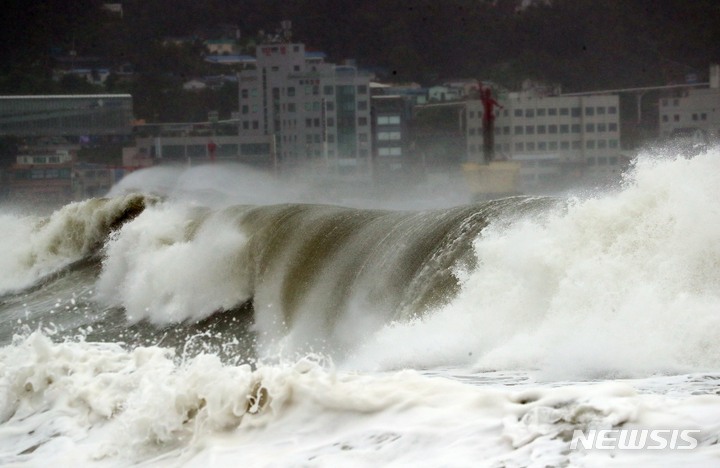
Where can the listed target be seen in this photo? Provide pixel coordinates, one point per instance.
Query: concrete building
(692, 113)
(556, 138)
(71, 116)
(316, 113)
(390, 119)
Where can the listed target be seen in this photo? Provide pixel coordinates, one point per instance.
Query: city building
(390, 119)
(316, 113)
(556, 138)
(692, 113)
(93, 116)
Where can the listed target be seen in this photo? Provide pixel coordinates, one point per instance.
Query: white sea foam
(32, 247)
(83, 404)
(157, 269)
(626, 284)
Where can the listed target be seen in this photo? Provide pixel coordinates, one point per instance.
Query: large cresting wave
(623, 283)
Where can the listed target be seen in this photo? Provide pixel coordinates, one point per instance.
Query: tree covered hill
(580, 44)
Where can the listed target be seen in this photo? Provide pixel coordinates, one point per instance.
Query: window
(244, 93)
(676, 118)
(362, 121)
(330, 122)
(529, 129)
(308, 123)
(519, 146)
(602, 144)
(576, 144)
(291, 107)
(308, 90)
(518, 130)
(330, 106)
(613, 143)
(601, 110)
(564, 111)
(541, 129)
(291, 91)
(362, 89)
(472, 114)
(316, 106)
(316, 122)
(506, 130)
(590, 127)
(472, 131)
(362, 137)
(308, 106)
(327, 90)
(530, 146)
(541, 112)
(552, 111)
(564, 145)
(553, 129)
(575, 128)
(518, 112)
(542, 146)
(612, 127)
(576, 112)
(589, 111)
(388, 120)
(362, 105)
(601, 127)
(703, 116)
(590, 144)
(388, 136)
(564, 128)
(553, 146)
(694, 116)
(612, 110)
(664, 118)
(529, 113)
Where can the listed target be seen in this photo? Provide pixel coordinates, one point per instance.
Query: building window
(328, 90)
(576, 144)
(694, 116)
(519, 146)
(529, 113)
(330, 122)
(552, 129)
(518, 130)
(612, 127)
(612, 110)
(541, 112)
(530, 146)
(553, 146)
(601, 110)
(665, 118)
(576, 112)
(244, 93)
(601, 127)
(362, 105)
(542, 146)
(589, 111)
(613, 143)
(564, 111)
(529, 130)
(388, 120)
(291, 91)
(564, 128)
(541, 129)
(383, 136)
(330, 106)
(590, 127)
(564, 145)
(362, 121)
(472, 130)
(506, 130)
(518, 112)
(676, 118)
(472, 114)
(703, 116)
(602, 144)
(362, 89)
(590, 144)
(575, 128)
(552, 111)
(291, 107)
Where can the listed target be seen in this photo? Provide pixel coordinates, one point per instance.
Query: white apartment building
(553, 137)
(315, 112)
(693, 109)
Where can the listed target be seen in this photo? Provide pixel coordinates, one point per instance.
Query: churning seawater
(164, 329)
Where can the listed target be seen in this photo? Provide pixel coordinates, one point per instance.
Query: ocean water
(178, 322)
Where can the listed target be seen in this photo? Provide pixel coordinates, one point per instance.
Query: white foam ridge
(624, 284)
(95, 404)
(32, 247)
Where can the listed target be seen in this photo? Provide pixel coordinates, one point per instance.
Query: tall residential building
(556, 138)
(316, 113)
